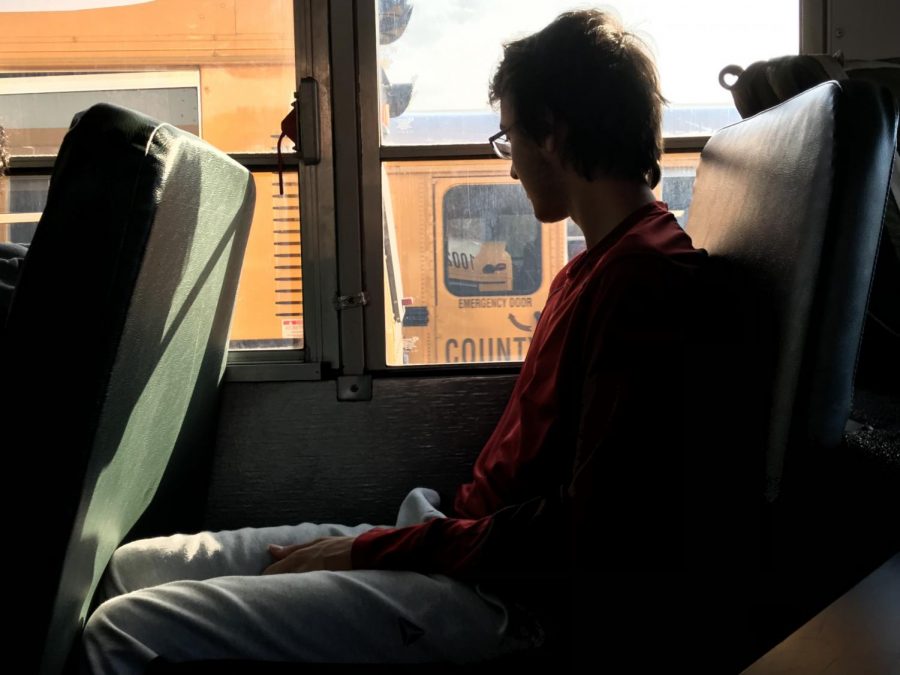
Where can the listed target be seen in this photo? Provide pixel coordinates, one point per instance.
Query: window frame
(320, 354)
(311, 50)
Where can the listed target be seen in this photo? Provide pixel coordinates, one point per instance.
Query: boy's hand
(327, 553)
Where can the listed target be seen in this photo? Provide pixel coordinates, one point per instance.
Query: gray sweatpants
(193, 597)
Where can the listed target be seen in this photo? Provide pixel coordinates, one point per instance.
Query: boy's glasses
(501, 145)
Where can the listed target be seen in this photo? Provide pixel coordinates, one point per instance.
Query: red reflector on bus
(406, 302)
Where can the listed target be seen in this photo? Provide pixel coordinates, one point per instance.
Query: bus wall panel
(289, 452)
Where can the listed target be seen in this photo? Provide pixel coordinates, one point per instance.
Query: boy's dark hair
(585, 73)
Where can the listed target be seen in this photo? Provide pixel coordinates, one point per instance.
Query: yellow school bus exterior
(476, 266)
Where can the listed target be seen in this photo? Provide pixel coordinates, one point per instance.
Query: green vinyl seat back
(113, 353)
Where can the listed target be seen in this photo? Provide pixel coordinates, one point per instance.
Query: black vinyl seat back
(790, 203)
(767, 83)
(114, 349)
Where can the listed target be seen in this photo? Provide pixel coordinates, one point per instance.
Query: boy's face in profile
(537, 167)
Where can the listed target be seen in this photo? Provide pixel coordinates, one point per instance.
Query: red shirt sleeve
(451, 546)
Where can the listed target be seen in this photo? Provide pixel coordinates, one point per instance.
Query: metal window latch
(309, 124)
(343, 302)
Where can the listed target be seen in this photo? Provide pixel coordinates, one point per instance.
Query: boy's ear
(550, 142)
(555, 139)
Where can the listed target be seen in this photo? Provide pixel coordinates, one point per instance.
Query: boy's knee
(134, 566)
(108, 618)
(111, 643)
(120, 577)
(106, 627)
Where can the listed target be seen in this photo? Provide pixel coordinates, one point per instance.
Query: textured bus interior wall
(291, 452)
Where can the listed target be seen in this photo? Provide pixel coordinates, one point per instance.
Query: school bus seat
(114, 349)
(766, 83)
(789, 203)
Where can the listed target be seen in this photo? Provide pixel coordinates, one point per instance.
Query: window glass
(469, 224)
(492, 241)
(21, 210)
(37, 111)
(437, 58)
(223, 70)
(467, 264)
(268, 312)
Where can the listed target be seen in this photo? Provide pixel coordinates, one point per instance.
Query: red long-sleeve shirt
(590, 391)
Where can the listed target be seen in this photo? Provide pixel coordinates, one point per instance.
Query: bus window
(38, 110)
(492, 241)
(467, 269)
(224, 71)
(470, 263)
